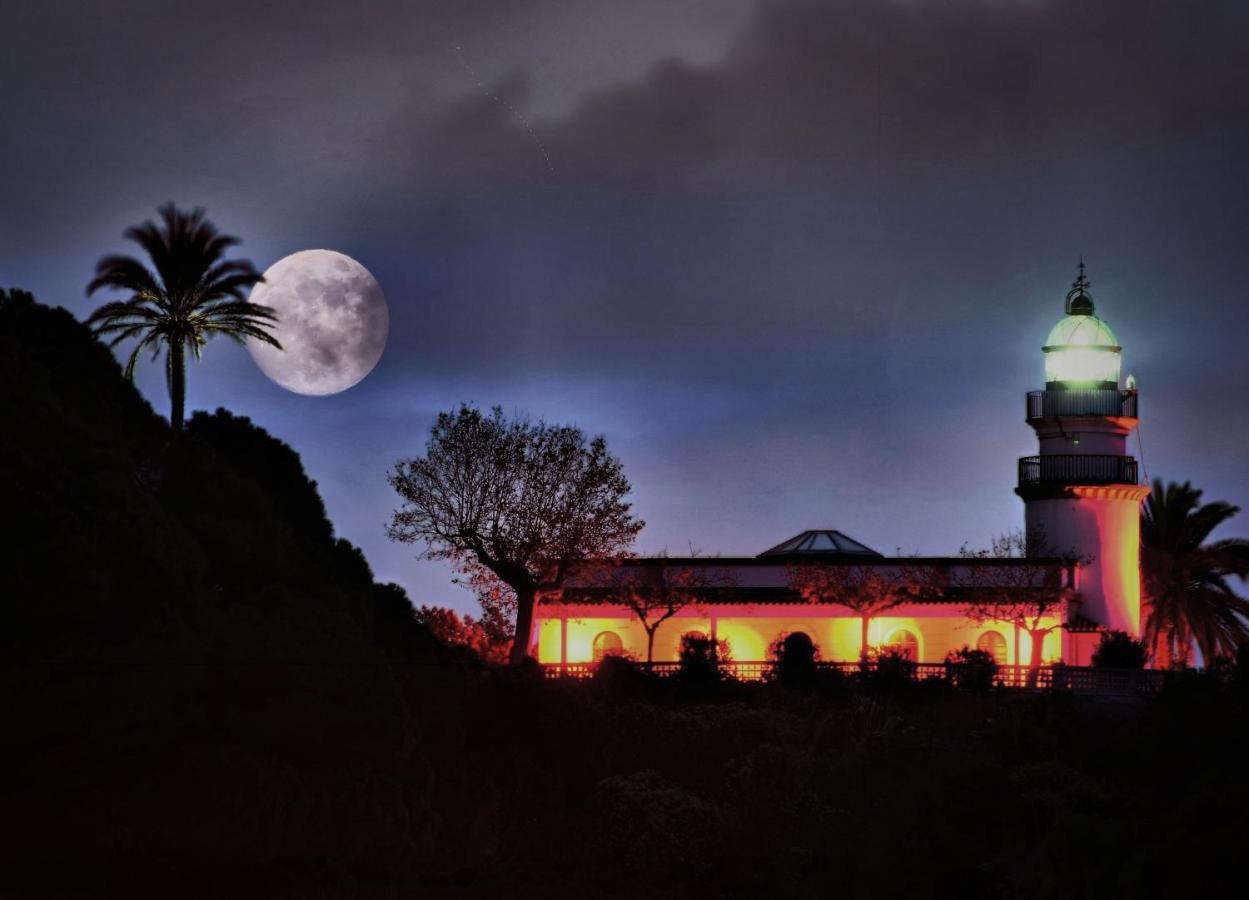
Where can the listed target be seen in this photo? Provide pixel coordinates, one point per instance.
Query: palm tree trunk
(177, 385)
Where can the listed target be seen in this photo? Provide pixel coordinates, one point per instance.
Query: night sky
(795, 260)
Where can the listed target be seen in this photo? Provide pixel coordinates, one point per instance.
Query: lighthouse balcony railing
(1077, 469)
(1051, 404)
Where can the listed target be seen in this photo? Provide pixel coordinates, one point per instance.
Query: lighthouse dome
(1082, 352)
(1082, 331)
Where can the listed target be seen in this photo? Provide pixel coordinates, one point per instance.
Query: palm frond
(153, 340)
(190, 294)
(236, 309)
(125, 273)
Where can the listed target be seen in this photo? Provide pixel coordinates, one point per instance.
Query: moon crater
(332, 322)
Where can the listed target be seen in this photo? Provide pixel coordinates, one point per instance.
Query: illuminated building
(1081, 498)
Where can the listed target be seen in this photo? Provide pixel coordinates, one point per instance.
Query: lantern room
(1081, 352)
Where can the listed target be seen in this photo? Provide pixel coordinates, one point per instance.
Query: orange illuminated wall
(750, 632)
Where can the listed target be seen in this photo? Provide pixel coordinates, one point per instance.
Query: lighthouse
(1082, 491)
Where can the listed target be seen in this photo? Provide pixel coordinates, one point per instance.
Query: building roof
(779, 595)
(820, 542)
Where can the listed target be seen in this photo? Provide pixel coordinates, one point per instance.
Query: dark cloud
(796, 260)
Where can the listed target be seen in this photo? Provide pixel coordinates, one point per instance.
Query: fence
(1080, 468)
(1113, 403)
(1077, 679)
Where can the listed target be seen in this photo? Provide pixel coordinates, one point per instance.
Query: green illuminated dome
(1081, 351)
(1082, 331)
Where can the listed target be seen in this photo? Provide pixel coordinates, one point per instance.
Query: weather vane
(1081, 283)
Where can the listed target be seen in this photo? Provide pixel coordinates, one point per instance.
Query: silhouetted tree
(655, 592)
(485, 638)
(794, 657)
(970, 668)
(1029, 595)
(700, 656)
(1188, 599)
(193, 295)
(524, 500)
(1119, 650)
(865, 589)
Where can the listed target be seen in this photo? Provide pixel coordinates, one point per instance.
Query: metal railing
(1077, 469)
(1106, 402)
(1077, 679)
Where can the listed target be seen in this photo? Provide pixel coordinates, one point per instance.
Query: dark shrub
(619, 676)
(972, 670)
(1239, 682)
(894, 669)
(794, 657)
(651, 829)
(1119, 650)
(700, 659)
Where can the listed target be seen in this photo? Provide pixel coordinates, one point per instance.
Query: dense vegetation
(206, 693)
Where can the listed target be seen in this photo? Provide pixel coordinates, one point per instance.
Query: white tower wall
(1081, 492)
(1101, 528)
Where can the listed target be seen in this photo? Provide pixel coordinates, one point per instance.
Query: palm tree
(192, 295)
(1187, 596)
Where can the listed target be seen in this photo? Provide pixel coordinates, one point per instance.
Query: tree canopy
(1189, 600)
(525, 500)
(191, 294)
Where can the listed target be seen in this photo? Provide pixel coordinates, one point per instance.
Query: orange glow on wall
(751, 632)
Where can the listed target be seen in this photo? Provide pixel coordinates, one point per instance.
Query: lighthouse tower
(1081, 492)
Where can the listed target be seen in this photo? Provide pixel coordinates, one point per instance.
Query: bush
(794, 656)
(1119, 650)
(972, 670)
(652, 829)
(700, 659)
(619, 675)
(894, 669)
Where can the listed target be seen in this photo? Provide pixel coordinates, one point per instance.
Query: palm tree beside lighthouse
(190, 294)
(1188, 598)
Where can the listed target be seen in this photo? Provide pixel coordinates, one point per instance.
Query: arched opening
(905, 643)
(606, 643)
(993, 643)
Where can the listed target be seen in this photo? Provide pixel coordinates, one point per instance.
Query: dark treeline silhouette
(206, 694)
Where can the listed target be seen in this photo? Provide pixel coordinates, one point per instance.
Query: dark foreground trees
(191, 294)
(524, 500)
(201, 683)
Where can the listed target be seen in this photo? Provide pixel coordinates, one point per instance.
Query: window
(904, 642)
(607, 643)
(993, 642)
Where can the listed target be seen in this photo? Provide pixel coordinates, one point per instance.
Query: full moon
(332, 322)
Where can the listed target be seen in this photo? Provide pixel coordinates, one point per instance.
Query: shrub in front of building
(971, 669)
(794, 657)
(700, 657)
(893, 670)
(1119, 650)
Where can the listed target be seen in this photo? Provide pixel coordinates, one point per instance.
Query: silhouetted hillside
(191, 680)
